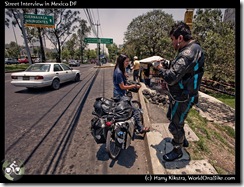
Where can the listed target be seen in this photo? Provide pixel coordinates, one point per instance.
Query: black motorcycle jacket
(184, 74)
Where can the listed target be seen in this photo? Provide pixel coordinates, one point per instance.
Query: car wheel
(56, 84)
(77, 78)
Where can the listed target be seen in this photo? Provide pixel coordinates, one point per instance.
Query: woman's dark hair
(120, 62)
(183, 29)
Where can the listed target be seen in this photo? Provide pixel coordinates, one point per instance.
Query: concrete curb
(105, 66)
(147, 123)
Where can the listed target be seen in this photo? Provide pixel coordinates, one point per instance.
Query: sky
(112, 23)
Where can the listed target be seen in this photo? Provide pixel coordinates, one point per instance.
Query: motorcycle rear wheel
(111, 148)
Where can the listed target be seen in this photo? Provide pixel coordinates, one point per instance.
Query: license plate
(26, 78)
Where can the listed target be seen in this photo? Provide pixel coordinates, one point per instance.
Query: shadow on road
(126, 158)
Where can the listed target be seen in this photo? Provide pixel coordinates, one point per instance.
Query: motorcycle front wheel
(111, 148)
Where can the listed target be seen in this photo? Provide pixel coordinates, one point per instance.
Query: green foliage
(113, 51)
(224, 129)
(16, 67)
(218, 41)
(217, 133)
(65, 24)
(229, 100)
(12, 50)
(202, 145)
(148, 35)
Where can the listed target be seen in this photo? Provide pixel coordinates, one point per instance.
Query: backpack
(103, 106)
(120, 110)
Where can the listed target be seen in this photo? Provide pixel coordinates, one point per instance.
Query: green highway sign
(99, 40)
(34, 20)
(106, 40)
(91, 40)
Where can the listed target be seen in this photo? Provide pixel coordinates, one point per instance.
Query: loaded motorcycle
(115, 122)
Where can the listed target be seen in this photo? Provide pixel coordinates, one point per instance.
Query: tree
(112, 50)
(148, 35)
(65, 53)
(218, 41)
(82, 33)
(205, 20)
(71, 45)
(90, 55)
(13, 17)
(65, 24)
(220, 55)
(33, 34)
(12, 50)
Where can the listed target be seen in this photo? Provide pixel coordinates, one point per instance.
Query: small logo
(13, 170)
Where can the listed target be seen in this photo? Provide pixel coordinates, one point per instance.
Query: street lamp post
(25, 39)
(98, 46)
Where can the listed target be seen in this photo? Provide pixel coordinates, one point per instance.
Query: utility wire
(90, 20)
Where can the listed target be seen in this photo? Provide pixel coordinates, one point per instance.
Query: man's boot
(176, 153)
(185, 143)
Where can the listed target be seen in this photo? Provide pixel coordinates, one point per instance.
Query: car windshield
(38, 68)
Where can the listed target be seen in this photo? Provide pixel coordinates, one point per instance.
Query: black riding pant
(138, 119)
(177, 113)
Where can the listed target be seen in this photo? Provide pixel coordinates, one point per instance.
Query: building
(229, 15)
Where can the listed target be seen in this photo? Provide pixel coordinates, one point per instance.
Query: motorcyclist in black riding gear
(183, 76)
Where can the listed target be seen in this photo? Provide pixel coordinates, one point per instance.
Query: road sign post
(25, 38)
(99, 41)
(188, 17)
(34, 20)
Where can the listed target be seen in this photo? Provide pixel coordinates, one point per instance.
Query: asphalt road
(49, 131)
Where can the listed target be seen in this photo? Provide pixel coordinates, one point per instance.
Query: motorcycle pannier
(124, 133)
(97, 131)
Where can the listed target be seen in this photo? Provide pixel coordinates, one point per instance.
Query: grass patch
(227, 99)
(16, 67)
(226, 129)
(216, 142)
(220, 170)
(198, 124)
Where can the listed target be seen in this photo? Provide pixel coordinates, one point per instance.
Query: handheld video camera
(164, 63)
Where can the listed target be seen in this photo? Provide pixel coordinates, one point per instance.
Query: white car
(74, 63)
(40, 75)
